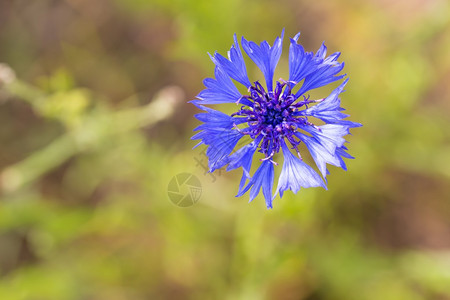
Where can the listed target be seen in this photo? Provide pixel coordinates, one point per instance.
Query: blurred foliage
(97, 123)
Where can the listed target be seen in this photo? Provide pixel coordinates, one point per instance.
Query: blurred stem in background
(91, 130)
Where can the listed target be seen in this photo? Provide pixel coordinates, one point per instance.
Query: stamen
(273, 118)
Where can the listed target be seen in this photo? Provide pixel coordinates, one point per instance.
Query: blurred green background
(95, 123)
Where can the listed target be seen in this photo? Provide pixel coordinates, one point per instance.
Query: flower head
(277, 118)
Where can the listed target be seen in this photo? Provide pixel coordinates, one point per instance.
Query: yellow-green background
(85, 159)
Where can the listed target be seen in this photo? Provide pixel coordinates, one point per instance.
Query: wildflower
(276, 118)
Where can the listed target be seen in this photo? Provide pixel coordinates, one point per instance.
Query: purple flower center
(272, 116)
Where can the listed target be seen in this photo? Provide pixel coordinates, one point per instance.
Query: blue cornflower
(277, 118)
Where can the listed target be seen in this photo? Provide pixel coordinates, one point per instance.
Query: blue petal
(301, 63)
(333, 132)
(263, 177)
(340, 152)
(220, 90)
(325, 72)
(221, 143)
(296, 174)
(216, 119)
(234, 66)
(330, 135)
(220, 147)
(243, 157)
(331, 102)
(265, 56)
(329, 109)
(243, 181)
(349, 124)
(321, 53)
(320, 154)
